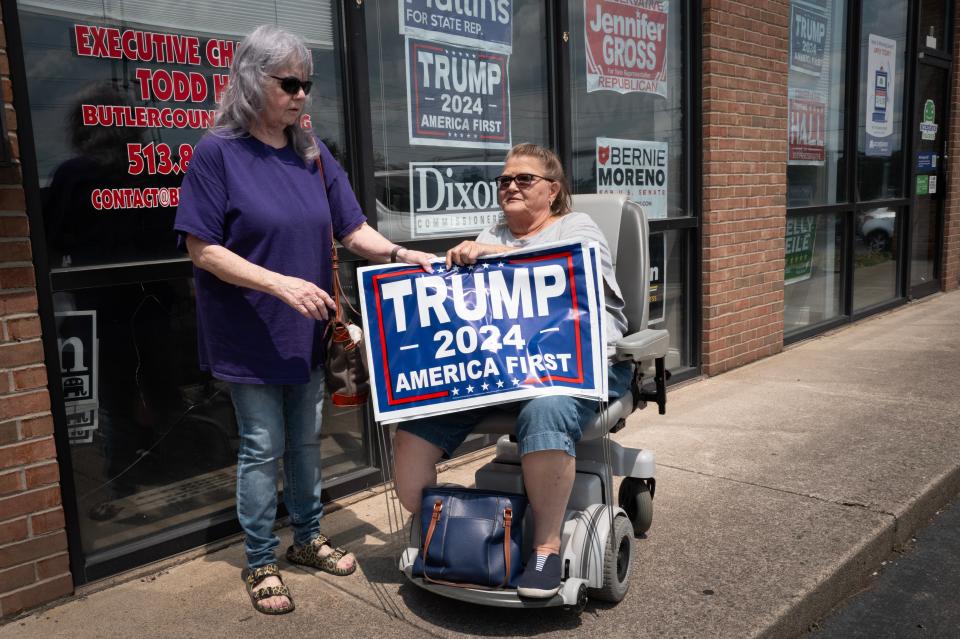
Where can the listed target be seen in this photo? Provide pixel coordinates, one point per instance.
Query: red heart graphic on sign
(603, 154)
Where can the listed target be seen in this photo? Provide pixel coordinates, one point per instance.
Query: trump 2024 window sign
(511, 327)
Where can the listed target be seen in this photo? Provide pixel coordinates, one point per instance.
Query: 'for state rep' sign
(511, 327)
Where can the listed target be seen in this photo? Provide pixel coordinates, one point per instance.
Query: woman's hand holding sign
(468, 251)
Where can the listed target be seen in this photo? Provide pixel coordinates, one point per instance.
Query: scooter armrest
(643, 345)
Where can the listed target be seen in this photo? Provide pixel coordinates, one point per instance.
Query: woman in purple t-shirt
(256, 215)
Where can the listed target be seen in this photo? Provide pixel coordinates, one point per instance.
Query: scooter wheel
(581, 600)
(617, 560)
(635, 498)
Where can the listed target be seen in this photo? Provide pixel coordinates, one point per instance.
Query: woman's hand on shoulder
(305, 297)
(468, 252)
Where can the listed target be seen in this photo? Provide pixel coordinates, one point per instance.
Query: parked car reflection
(876, 228)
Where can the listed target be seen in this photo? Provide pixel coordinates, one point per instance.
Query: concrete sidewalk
(781, 487)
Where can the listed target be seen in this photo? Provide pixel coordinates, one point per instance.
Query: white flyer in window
(487, 24)
(626, 45)
(881, 94)
(637, 169)
(457, 96)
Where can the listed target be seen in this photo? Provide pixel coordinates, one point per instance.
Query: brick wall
(34, 565)
(951, 227)
(744, 180)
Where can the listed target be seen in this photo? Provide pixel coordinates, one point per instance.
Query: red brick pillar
(745, 57)
(951, 211)
(34, 565)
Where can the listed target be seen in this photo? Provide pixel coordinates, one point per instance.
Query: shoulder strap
(338, 295)
(323, 178)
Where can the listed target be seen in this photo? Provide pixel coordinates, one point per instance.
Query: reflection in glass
(875, 258)
(154, 440)
(813, 280)
(108, 187)
(153, 443)
(815, 105)
(883, 55)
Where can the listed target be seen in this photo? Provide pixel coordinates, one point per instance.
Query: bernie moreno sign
(510, 327)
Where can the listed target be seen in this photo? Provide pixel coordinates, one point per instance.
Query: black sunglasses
(293, 85)
(523, 180)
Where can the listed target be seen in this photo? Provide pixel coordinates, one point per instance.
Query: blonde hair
(552, 168)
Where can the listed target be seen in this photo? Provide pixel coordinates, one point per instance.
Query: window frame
(915, 52)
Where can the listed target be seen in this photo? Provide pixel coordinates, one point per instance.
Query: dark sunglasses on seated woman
(523, 180)
(293, 85)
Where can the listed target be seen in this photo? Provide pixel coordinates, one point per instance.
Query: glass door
(929, 135)
(929, 130)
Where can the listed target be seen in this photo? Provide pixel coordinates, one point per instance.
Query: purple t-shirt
(270, 207)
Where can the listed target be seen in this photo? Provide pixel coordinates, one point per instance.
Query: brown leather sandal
(255, 577)
(306, 555)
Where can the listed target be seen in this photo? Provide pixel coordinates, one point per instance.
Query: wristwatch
(394, 252)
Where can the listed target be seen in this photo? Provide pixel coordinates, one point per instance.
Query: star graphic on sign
(500, 264)
(516, 382)
(455, 268)
(470, 388)
(455, 391)
(484, 266)
(485, 386)
(499, 383)
(439, 268)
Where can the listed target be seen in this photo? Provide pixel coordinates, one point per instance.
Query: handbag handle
(435, 517)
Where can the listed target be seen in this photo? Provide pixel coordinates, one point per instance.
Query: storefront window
(813, 279)
(121, 91)
(626, 102)
(449, 100)
(153, 440)
(883, 59)
(815, 101)
(627, 129)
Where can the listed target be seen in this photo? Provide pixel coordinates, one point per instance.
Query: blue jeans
(554, 422)
(278, 421)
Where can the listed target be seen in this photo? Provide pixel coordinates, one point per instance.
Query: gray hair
(261, 54)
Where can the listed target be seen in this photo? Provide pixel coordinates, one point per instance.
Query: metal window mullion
(559, 85)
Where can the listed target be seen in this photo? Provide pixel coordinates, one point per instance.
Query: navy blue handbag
(470, 538)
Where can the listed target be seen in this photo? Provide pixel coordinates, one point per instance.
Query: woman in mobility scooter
(535, 200)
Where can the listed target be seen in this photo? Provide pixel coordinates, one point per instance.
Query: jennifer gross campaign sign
(511, 327)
